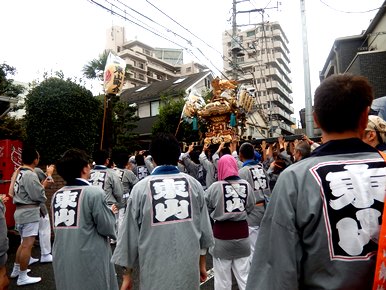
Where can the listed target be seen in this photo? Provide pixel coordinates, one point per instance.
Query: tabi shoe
(46, 258)
(16, 271)
(32, 261)
(24, 279)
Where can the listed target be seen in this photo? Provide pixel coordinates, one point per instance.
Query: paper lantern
(114, 74)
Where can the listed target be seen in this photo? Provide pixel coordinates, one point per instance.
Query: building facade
(263, 67)
(148, 98)
(363, 54)
(146, 63)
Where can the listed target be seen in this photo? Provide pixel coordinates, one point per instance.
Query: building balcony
(283, 115)
(281, 45)
(274, 74)
(140, 69)
(283, 70)
(141, 81)
(288, 130)
(278, 101)
(127, 53)
(283, 58)
(276, 87)
(160, 69)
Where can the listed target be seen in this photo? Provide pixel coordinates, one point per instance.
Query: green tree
(169, 118)
(119, 118)
(12, 128)
(60, 115)
(7, 87)
(94, 69)
(124, 120)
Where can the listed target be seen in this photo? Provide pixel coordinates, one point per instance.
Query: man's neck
(340, 136)
(30, 166)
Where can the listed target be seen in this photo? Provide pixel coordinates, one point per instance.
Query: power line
(153, 32)
(350, 12)
(125, 18)
(223, 56)
(148, 18)
(176, 34)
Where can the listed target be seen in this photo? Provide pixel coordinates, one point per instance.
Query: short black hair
(100, 157)
(165, 149)
(139, 160)
(71, 164)
(340, 100)
(28, 155)
(247, 151)
(224, 151)
(195, 156)
(121, 160)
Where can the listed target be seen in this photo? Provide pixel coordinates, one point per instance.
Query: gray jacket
(321, 226)
(28, 195)
(3, 236)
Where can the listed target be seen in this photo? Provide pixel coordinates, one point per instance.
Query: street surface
(45, 270)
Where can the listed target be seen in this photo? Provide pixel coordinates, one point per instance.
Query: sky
(50, 35)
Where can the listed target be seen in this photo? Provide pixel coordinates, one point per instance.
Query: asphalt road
(45, 270)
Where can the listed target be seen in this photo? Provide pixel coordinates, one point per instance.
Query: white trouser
(45, 235)
(121, 215)
(253, 234)
(223, 273)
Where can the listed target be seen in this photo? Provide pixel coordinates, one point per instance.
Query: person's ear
(372, 135)
(316, 122)
(364, 118)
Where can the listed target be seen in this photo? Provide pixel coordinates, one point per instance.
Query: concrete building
(174, 56)
(263, 66)
(363, 54)
(148, 64)
(148, 98)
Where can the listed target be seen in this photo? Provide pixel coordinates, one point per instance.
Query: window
(179, 80)
(250, 33)
(143, 110)
(154, 108)
(141, 77)
(188, 69)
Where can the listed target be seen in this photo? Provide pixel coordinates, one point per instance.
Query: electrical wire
(189, 31)
(148, 18)
(350, 12)
(153, 32)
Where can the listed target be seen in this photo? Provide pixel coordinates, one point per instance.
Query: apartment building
(363, 54)
(263, 67)
(148, 64)
(148, 98)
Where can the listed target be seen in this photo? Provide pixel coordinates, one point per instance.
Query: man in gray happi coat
(321, 226)
(166, 226)
(82, 223)
(28, 195)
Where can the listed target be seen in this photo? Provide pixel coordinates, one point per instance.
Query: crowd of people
(284, 215)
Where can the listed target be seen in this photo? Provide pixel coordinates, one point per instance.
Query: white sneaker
(25, 280)
(15, 272)
(46, 258)
(32, 261)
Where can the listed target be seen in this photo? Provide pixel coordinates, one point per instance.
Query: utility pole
(234, 41)
(307, 82)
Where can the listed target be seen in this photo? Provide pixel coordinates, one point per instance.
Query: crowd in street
(284, 215)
